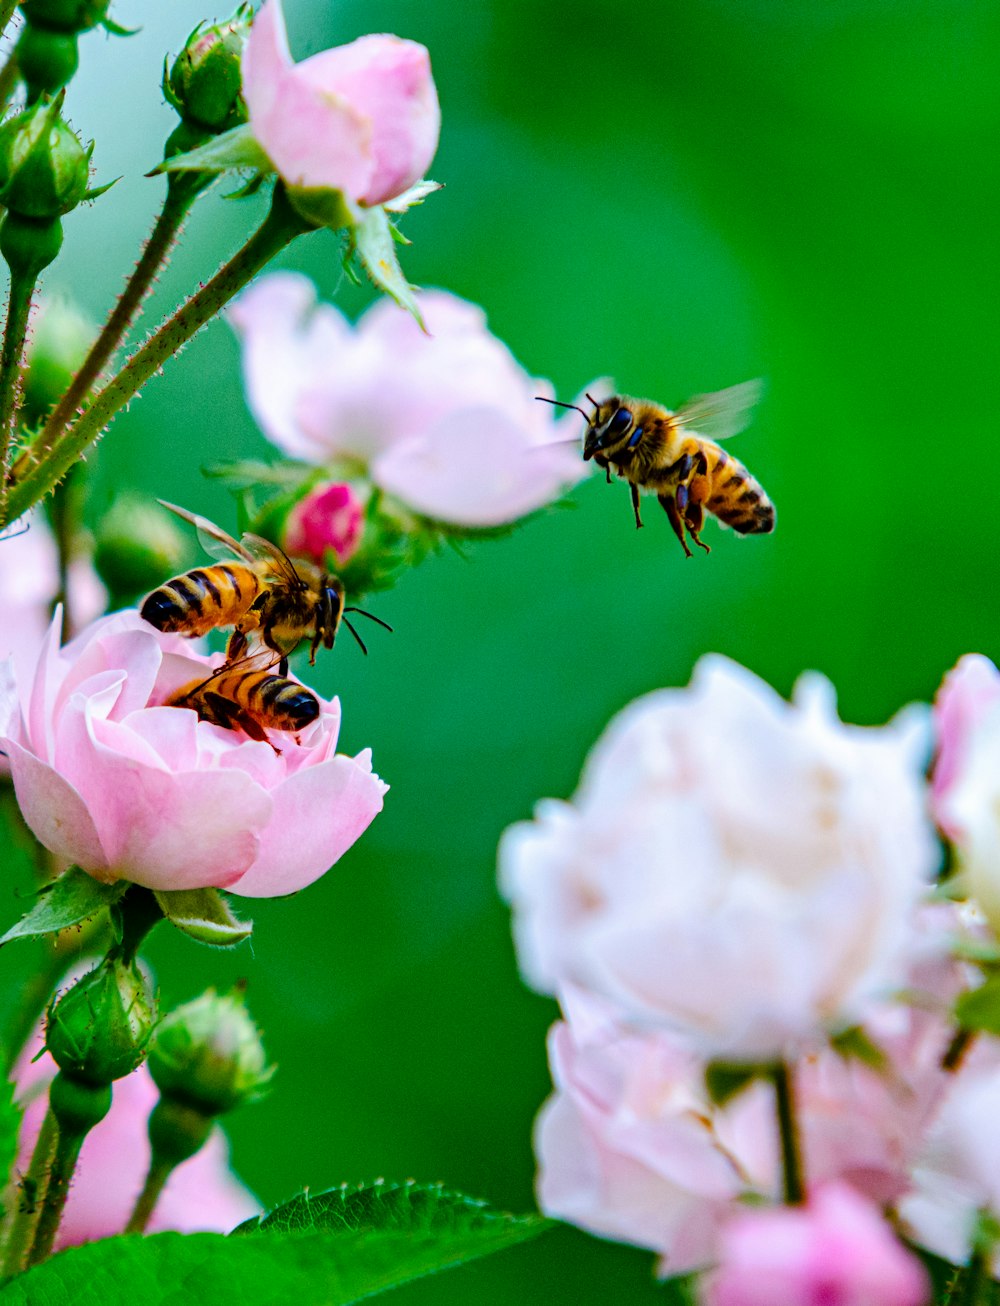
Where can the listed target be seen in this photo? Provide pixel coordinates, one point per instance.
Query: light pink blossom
(837, 1249)
(967, 694)
(202, 1194)
(447, 423)
(329, 519)
(727, 868)
(362, 118)
(109, 777)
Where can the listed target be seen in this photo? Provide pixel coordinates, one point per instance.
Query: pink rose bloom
(447, 423)
(329, 519)
(110, 778)
(837, 1250)
(628, 1146)
(726, 869)
(362, 119)
(967, 692)
(202, 1194)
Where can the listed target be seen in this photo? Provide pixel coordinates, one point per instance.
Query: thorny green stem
(64, 1159)
(161, 240)
(7, 8)
(157, 1175)
(279, 228)
(974, 1282)
(31, 1195)
(791, 1152)
(22, 288)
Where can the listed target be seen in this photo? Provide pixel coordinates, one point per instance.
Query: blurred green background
(681, 196)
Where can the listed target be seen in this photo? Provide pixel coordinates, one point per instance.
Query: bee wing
(213, 539)
(724, 413)
(262, 659)
(264, 551)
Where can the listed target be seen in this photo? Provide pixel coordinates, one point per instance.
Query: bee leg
(233, 717)
(283, 667)
(236, 647)
(673, 516)
(694, 519)
(604, 465)
(635, 505)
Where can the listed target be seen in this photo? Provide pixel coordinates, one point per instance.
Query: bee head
(329, 610)
(610, 427)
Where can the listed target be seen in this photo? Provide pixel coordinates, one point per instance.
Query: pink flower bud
(362, 119)
(837, 1249)
(972, 686)
(329, 519)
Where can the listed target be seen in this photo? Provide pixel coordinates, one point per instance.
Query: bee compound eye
(635, 437)
(619, 424)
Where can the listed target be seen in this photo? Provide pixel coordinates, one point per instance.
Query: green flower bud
(204, 82)
(177, 1130)
(98, 1030)
(28, 245)
(209, 1054)
(137, 544)
(60, 337)
(46, 60)
(78, 1106)
(44, 170)
(65, 15)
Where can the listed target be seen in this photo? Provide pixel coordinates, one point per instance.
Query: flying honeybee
(246, 695)
(258, 591)
(675, 455)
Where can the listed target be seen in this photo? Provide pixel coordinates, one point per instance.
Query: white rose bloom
(973, 806)
(737, 868)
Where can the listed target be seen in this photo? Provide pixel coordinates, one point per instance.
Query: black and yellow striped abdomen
(203, 599)
(732, 494)
(252, 701)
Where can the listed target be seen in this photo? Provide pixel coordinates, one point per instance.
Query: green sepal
(323, 207)
(415, 195)
(73, 898)
(116, 29)
(204, 915)
(981, 951)
(979, 1009)
(95, 191)
(235, 148)
(371, 238)
(725, 1080)
(854, 1045)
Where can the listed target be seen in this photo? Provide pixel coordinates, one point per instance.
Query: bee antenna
(593, 401)
(559, 404)
(361, 642)
(371, 617)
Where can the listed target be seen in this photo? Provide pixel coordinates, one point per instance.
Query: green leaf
(979, 1009)
(232, 149)
(74, 897)
(723, 1081)
(331, 1249)
(205, 915)
(854, 1044)
(372, 239)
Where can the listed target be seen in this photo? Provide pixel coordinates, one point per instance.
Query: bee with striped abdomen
(675, 455)
(257, 590)
(246, 695)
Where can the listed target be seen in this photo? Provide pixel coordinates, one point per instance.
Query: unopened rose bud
(44, 170)
(46, 60)
(203, 83)
(98, 1030)
(60, 338)
(209, 1055)
(330, 519)
(136, 545)
(65, 15)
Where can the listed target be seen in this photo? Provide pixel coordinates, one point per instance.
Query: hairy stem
(157, 1175)
(161, 240)
(279, 228)
(22, 287)
(7, 8)
(8, 78)
(31, 1195)
(956, 1050)
(974, 1283)
(791, 1152)
(64, 1159)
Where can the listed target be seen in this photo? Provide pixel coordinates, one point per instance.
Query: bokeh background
(680, 196)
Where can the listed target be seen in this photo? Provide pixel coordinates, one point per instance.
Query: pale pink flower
(447, 423)
(329, 519)
(957, 1173)
(110, 778)
(734, 867)
(202, 1194)
(362, 118)
(627, 1146)
(837, 1249)
(967, 694)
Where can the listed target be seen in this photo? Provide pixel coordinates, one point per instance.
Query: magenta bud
(44, 170)
(329, 520)
(97, 1031)
(209, 1054)
(204, 82)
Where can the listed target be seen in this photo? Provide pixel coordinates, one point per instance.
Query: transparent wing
(262, 659)
(724, 413)
(264, 551)
(213, 539)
